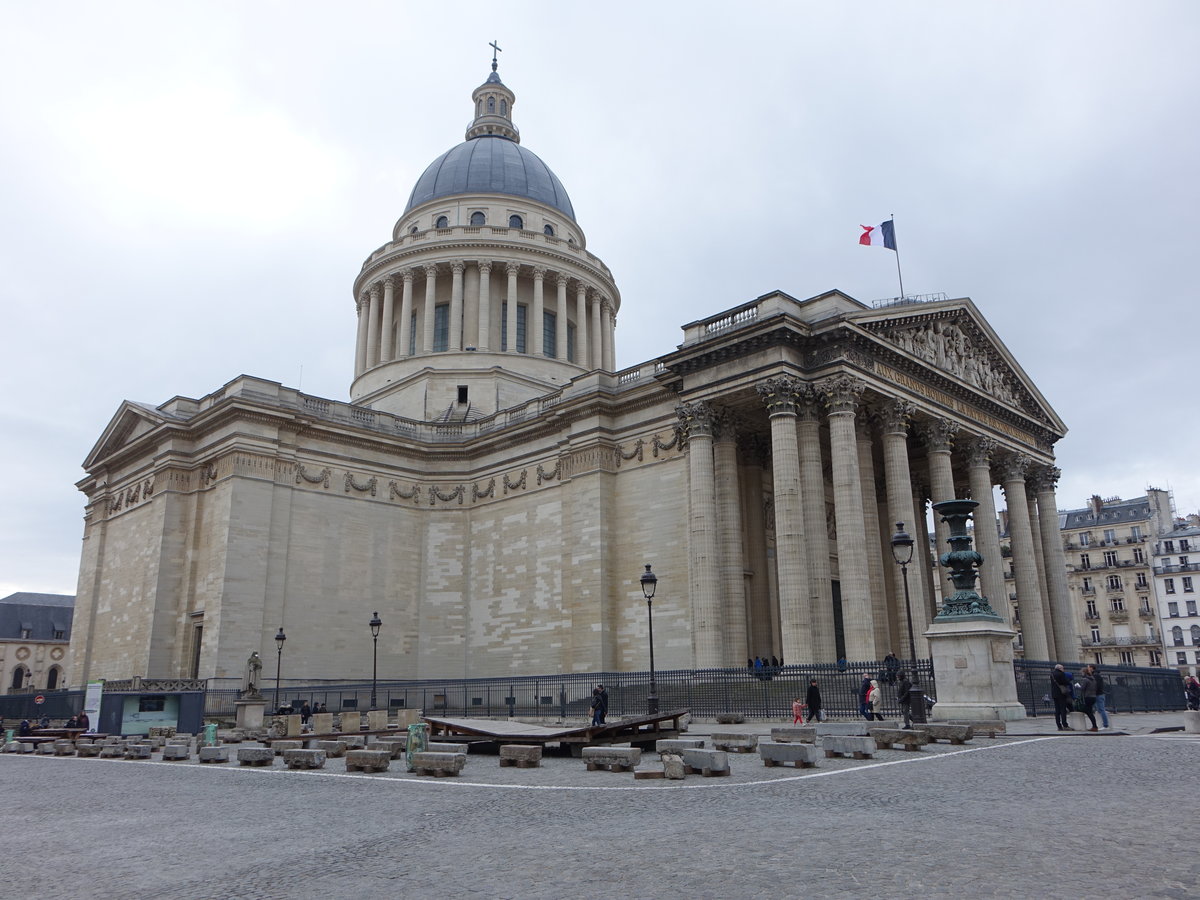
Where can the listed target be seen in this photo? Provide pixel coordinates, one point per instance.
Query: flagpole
(898, 273)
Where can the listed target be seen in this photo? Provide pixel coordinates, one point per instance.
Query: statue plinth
(250, 712)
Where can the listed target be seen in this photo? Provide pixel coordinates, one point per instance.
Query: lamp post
(279, 639)
(375, 624)
(649, 582)
(902, 551)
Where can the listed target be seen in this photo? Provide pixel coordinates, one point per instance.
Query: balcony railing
(1177, 567)
(1088, 590)
(1122, 640)
(1118, 615)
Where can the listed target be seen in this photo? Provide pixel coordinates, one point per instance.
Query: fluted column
(485, 305)
(560, 319)
(879, 558)
(1029, 598)
(842, 394)
(597, 341)
(512, 269)
(454, 337)
(427, 314)
(987, 535)
(360, 347)
(729, 539)
(387, 347)
(534, 331)
(375, 313)
(608, 324)
(761, 623)
(406, 311)
(816, 527)
(1039, 560)
(938, 435)
(894, 417)
(923, 538)
(795, 617)
(583, 352)
(1066, 644)
(703, 559)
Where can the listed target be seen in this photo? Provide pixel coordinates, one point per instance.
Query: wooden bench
(709, 763)
(368, 760)
(438, 763)
(615, 759)
(886, 738)
(304, 759)
(523, 756)
(955, 734)
(848, 745)
(734, 741)
(256, 756)
(802, 756)
(803, 734)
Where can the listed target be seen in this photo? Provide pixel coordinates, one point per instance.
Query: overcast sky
(187, 191)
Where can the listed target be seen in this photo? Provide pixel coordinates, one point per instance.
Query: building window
(1095, 635)
(1127, 657)
(462, 394)
(548, 229)
(1185, 545)
(441, 327)
(491, 104)
(478, 218)
(413, 230)
(1085, 539)
(1181, 658)
(1191, 607)
(442, 222)
(26, 633)
(1169, 585)
(1118, 604)
(1141, 580)
(1110, 535)
(1183, 561)
(1155, 658)
(1099, 658)
(1177, 636)
(1173, 610)
(52, 678)
(570, 342)
(1168, 546)
(504, 107)
(1085, 561)
(1138, 556)
(516, 222)
(18, 678)
(549, 334)
(1114, 582)
(1135, 532)
(1087, 586)
(520, 326)
(1196, 635)
(59, 634)
(1092, 612)
(1187, 584)
(1110, 557)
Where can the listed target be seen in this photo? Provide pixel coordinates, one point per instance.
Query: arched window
(516, 222)
(18, 678)
(491, 104)
(442, 222)
(479, 107)
(504, 107)
(478, 218)
(413, 230)
(1196, 635)
(1177, 636)
(52, 678)
(549, 229)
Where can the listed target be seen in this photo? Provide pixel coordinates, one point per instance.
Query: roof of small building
(39, 614)
(1113, 512)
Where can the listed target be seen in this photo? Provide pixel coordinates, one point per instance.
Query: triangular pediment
(131, 421)
(953, 338)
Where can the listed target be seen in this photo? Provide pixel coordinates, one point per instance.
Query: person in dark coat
(904, 696)
(863, 690)
(603, 703)
(597, 706)
(812, 700)
(1086, 685)
(84, 722)
(305, 712)
(1060, 693)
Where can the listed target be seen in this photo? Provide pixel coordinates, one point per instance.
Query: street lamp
(649, 582)
(902, 551)
(279, 639)
(375, 624)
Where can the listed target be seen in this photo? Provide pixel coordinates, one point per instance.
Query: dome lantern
(493, 109)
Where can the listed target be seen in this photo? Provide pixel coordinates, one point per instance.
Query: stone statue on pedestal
(253, 671)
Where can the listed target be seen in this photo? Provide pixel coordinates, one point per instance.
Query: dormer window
(549, 229)
(491, 104)
(442, 222)
(478, 218)
(515, 222)
(504, 107)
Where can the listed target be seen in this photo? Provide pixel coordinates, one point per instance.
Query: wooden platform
(640, 731)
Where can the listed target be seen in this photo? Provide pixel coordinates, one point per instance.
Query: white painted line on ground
(715, 784)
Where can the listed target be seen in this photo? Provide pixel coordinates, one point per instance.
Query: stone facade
(497, 506)
(35, 633)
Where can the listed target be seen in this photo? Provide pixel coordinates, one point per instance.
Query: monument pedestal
(250, 714)
(973, 669)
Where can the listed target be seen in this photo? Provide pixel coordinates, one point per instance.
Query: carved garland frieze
(553, 475)
(395, 492)
(519, 484)
(635, 453)
(677, 440)
(129, 496)
(485, 493)
(364, 487)
(435, 494)
(321, 478)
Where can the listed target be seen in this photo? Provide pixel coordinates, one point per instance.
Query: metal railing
(1127, 688)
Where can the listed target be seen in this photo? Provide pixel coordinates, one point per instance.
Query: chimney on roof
(1095, 504)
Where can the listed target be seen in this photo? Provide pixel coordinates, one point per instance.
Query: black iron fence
(1127, 688)
(765, 694)
(55, 705)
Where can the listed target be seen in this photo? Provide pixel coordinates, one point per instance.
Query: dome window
(442, 222)
(491, 104)
(413, 230)
(504, 107)
(478, 218)
(549, 229)
(479, 107)
(516, 222)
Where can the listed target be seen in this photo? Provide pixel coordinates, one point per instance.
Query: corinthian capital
(938, 434)
(842, 392)
(696, 418)
(725, 424)
(375, 289)
(539, 273)
(512, 268)
(1013, 467)
(389, 281)
(980, 450)
(781, 394)
(457, 267)
(431, 270)
(1044, 478)
(895, 415)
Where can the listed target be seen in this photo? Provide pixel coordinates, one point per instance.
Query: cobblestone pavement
(1018, 817)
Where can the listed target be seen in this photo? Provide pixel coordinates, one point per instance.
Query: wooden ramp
(638, 731)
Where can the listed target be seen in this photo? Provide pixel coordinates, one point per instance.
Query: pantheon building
(493, 487)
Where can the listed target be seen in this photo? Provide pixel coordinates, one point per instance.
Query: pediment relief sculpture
(949, 348)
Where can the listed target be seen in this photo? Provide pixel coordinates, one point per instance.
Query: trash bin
(418, 740)
(210, 735)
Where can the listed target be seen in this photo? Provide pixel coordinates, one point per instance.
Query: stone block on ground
(799, 755)
(848, 745)
(46, 748)
(231, 736)
(333, 749)
(795, 734)
(64, 748)
(177, 752)
(368, 760)
(256, 756)
(355, 741)
(443, 747)
(280, 746)
(139, 751)
(394, 746)
(304, 759)
(351, 721)
(322, 723)
(674, 745)
(734, 741)
(990, 727)
(88, 749)
(955, 734)
(1191, 721)
(909, 739)
(673, 767)
(708, 763)
(214, 754)
(730, 718)
(616, 759)
(438, 763)
(112, 751)
(524, 756)
(377, 719)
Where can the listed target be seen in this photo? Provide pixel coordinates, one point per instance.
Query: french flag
(881, 235)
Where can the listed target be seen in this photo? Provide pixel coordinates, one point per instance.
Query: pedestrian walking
(1060, 693)
(891, 667)
(1191, 690)
(798, 711)
(305, 713)
(1085, 684)
(603, 703)
(812, 699)
(1101, 691)
(874, 701)
(863, 690)
(904, 696)
(597, 707)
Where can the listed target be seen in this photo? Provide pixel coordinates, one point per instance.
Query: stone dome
(490, 164)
